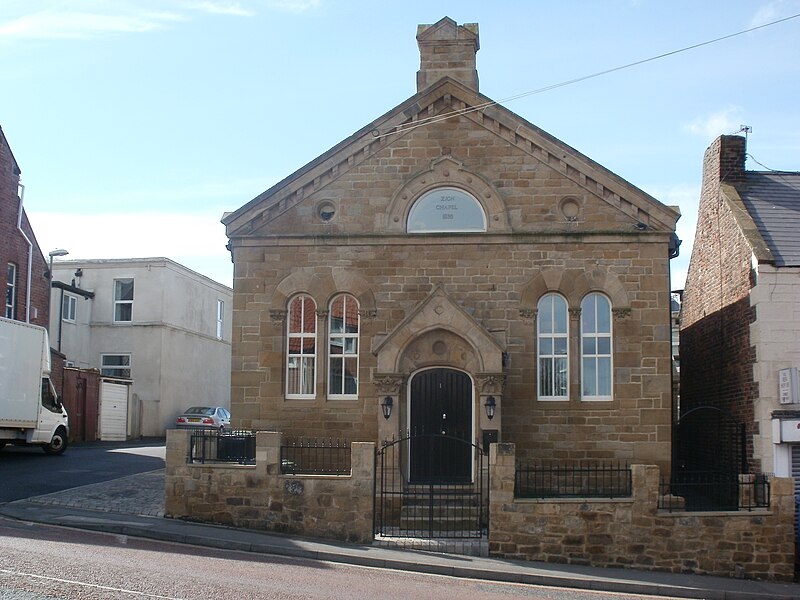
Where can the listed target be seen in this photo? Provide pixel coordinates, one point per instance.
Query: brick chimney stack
(447, 49)
(724, 159)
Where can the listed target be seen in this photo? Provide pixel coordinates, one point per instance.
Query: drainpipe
(30, 255)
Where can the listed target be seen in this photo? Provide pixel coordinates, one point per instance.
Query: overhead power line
(436, 119)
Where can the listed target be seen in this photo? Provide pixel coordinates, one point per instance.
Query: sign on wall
(446, 209)
(787, 386)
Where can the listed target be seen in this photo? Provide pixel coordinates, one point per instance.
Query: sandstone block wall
(634, 533)
(260, 497)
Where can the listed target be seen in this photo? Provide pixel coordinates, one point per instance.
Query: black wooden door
(441, 423)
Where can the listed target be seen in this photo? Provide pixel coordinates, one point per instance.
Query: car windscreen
(199, 410)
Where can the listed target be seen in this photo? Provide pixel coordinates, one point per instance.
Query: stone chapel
(452, 268)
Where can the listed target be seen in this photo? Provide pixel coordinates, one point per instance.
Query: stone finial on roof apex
(447, 50)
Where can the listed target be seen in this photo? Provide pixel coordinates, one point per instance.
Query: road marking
(88, 585)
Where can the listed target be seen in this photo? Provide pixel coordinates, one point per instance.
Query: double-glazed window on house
(553, 335)
(69, 308)
(11, 291)
(302, 347)
(123, 300)
(220, 319)
(115, 365)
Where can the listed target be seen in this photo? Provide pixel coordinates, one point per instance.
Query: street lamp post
(54, 253)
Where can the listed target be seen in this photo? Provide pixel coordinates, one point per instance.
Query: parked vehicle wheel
(58, 444)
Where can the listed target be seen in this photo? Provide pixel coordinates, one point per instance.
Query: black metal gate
(445, 506)
(710, 454)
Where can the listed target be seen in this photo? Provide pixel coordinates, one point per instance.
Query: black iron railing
(213, 446)
(713, 491)
(541, 479)
(315, 457)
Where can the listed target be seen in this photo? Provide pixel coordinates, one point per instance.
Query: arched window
(552, 348)
(343, 346)
(302, 347)
(446, 209)
(596, 348)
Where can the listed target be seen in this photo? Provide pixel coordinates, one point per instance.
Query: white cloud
(49, 24)
(90, 18)
(723, 122)
(772, 11)
(296, 6)
(220, 8)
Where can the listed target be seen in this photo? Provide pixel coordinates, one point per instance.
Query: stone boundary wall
(634, 533)
(260, 497)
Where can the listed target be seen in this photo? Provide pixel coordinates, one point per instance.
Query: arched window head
(446, 209)
(301, 347)
(552, 348)
(596, 348)
(343, 330)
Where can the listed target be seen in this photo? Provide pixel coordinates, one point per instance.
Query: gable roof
(773, 201)
(453, 97)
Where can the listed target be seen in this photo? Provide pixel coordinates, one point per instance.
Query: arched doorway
(441, 425)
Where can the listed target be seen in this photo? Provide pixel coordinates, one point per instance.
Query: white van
(30, 410)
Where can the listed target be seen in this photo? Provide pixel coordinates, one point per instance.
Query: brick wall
(626, 532)
(14, 248)
(717, 355)
(260, 497)
(633, 533)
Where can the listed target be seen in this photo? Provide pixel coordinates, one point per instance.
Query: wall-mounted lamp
(386, 407)
(490, 405)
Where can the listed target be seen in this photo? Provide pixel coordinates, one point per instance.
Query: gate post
(502, 471)
(362, 474)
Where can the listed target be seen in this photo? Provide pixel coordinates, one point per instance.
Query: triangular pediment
(438, 311)
(432, 105)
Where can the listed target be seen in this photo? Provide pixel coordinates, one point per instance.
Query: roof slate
(773, 201)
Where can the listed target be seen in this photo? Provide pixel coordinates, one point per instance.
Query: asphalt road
(28, 471)
(40, 562)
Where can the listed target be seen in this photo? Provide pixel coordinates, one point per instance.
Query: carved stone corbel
(368, 315)
(388, 383)
(621, 313)
(491, 383)
(277, 316)
(528, 315)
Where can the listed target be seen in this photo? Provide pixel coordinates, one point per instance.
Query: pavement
(134, 506)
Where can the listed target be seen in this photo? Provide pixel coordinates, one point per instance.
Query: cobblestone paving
(140, 494)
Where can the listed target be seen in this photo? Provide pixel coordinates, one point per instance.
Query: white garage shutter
(113, 411)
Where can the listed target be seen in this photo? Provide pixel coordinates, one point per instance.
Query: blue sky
(138, 123)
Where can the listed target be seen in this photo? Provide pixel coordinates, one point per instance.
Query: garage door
(113, 411)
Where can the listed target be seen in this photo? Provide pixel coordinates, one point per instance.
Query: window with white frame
(596, 348)
(115, 365)
(220, 318)
(11, 291)
(69, 308)
(552, 347)
(123, 300)
(343, 346)
(302, 347)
